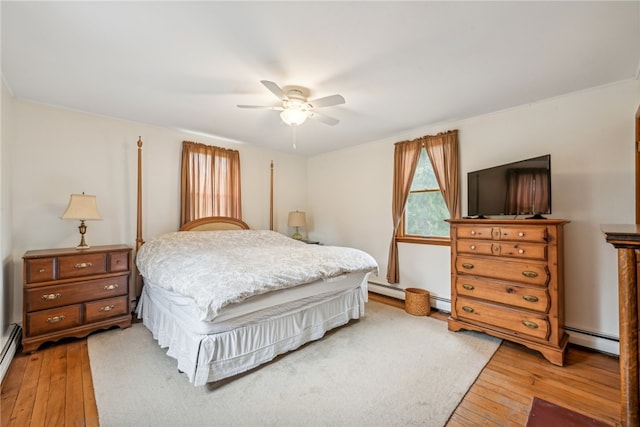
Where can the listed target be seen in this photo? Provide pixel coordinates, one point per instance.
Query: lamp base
(297, 235)
(83, 230)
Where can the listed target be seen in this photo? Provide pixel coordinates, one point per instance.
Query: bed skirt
(207, 358)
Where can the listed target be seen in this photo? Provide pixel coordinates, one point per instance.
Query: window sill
(439, 241)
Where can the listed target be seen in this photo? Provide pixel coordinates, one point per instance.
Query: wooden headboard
(213, 223)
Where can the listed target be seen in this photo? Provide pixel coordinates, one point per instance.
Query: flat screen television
(518, 188)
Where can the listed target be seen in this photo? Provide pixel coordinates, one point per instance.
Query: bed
(224, 299)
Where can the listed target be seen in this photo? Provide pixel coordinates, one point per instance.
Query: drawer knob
(467, 265)
(50, 297)
(529, 324)
(107, 308)
(111, 287)
(521, 234)
(83, 265)
(467, 309)
(55, 319)
(473, 232)
(530, 298)
(468, 287)
(42, 270)
(520, 251)
(530, 274)
(473, 247)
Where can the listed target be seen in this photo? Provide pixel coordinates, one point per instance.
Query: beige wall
(56, 152)
(589, 135)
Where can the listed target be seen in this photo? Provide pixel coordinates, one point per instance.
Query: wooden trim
(271, 199)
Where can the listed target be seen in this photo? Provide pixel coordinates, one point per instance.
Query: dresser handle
(530, 298)
(51, 296)
(473, 232)
(530, 274)
(55, 319)
(468, 287)
(83, 265)
(467, 309)
(467, 265)
(521, 234)
(472, 247)
(42, 270)
(520, 251)
(111, 287)
(529, 324)
(107, 308)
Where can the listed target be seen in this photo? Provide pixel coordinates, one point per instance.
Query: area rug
(388, 368)
(547, 414)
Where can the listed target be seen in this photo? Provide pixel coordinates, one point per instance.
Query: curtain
(210, 182)
(523, 195)
(405, 160)
(443, 154)
(442, 150)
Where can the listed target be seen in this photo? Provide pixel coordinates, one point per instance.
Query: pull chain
(294, 137)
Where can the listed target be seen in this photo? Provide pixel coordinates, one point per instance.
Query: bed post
(271, 200)
(139, 240)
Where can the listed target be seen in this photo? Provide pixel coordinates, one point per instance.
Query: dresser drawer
(103, 309)
(40, 270)
(509, 249)
(505, 232)
(523, 272)
(516, 321)
(82, 265)
(42, 322)
(532, 298)
(119, 261)
(44, 297)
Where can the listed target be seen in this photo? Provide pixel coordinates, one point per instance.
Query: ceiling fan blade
(324, 119)
(260, 107)
(327, 101)
(275, 89)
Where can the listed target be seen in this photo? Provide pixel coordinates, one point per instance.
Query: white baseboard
(595, 341)
(9, 349)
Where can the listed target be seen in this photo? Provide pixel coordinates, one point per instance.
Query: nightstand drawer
(40, 270)
(45, 297)
(42, 322)
(106, 308)
(81, 265)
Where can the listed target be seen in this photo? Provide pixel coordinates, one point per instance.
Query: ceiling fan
(296, 108)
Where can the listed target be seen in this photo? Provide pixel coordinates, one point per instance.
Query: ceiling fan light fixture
(294, 116)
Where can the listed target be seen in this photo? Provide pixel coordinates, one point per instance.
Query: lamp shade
(82, 207)
(296, 219)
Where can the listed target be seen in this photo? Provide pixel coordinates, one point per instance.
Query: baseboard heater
(9, 349)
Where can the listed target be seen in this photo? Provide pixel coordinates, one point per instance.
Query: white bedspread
(217, 268)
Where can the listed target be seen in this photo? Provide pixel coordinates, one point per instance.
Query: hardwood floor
(53, 386)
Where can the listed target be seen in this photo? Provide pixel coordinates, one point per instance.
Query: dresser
(71, 293)
(507, 281)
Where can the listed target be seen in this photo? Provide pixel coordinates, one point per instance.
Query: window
(426, 211)
(210, 184)
(420, 202)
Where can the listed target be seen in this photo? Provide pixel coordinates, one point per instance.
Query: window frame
(401, 236)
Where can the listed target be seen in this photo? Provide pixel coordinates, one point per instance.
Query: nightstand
(71, 293)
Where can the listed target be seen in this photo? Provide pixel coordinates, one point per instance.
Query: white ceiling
(400, 65)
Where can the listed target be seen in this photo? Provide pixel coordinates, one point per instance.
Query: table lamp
(297, 220)
(82, 207)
